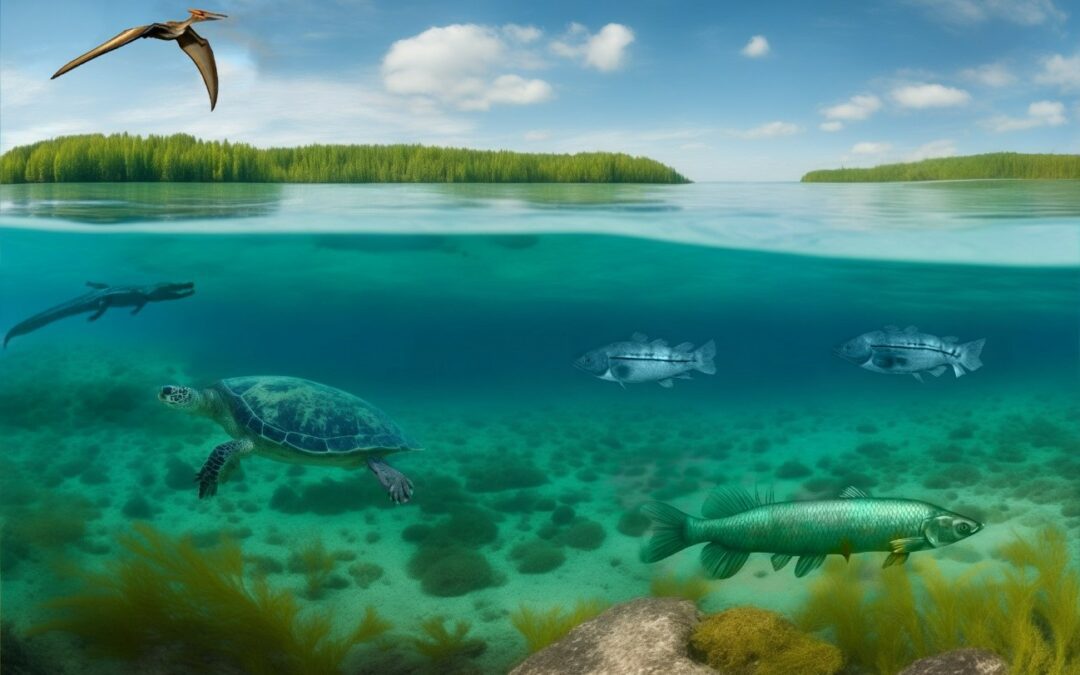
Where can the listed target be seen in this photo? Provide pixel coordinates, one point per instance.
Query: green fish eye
(964, 528)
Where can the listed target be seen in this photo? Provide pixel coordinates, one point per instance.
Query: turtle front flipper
(220, 458)
(395, 482)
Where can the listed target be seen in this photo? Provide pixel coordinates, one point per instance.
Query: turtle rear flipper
(220, 460)
(395, 482)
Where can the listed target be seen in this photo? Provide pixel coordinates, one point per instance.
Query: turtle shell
(310, 417)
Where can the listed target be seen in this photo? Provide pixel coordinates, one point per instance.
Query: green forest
(184, 158)
(992, 165)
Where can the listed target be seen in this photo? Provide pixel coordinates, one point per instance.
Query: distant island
(992, 165)
(184, 158)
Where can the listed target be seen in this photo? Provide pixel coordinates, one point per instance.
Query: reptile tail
(669, 531)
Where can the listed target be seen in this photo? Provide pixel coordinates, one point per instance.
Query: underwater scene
(432, 428)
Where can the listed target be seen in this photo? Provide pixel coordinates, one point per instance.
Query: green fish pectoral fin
(668, 383)
(669, 531)
(727, 501)
(907, 545)
(895, 559)
(722, 563)
(779, 560)
(852, 492)
(807, 564)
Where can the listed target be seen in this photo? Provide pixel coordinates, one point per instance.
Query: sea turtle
(293, 420)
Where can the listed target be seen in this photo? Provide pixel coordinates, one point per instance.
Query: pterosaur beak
(208, 16)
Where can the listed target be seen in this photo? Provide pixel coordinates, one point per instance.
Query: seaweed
(668, 584)
(164, 595)
(541, 628)
(441, 646)
(316, 564)
(753, 640)
(1028, 611)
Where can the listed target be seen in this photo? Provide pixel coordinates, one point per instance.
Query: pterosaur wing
(120, 40)
(199, 50)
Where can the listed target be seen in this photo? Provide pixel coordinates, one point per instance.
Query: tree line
(184, 158)
(992, 165)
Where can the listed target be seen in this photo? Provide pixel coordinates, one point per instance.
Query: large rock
(959, 662)
(648, 636)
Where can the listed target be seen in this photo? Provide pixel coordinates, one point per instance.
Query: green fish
(736, 524)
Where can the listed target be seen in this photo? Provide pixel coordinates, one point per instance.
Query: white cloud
(454, 65)
(1061, 71)
(523, 34)
(939, 148)
(756, 48)
(831, 126)
(18, 89)
(1040, 114)
(768, 130)
(605, 51)
(857, 107)
(1022, 12)
(319, 110)
(534, 135)
(990, 75)
(929, 96)
(870, 148)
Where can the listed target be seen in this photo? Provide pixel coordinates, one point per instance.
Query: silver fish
(908, 352)
(736, 524)
(642, 361)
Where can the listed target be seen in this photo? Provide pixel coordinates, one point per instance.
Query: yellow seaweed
(1027, 610)
(165, 595)
(541, 628)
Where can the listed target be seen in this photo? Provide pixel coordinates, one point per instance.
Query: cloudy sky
(720, 90)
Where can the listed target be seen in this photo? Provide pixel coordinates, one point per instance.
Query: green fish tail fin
(669, 531)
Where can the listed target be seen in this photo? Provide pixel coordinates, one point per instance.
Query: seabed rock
(959, 662)
(648, 636)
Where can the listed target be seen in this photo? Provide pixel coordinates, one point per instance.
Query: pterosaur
(191, 42)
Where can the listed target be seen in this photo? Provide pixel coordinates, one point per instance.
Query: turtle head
(179, 397)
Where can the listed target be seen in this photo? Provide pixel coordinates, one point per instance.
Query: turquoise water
(458, 310)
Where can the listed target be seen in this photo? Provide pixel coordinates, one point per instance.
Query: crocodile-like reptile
(101, 298)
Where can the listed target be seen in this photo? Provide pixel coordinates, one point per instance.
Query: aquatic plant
(583, 534)
(450, 570)
(46, 527)
(668, 584)
(760, 642)
(543, 627)
(537, 556)
(316, 564)
(1029, 612)
(440, 645)
(164, 595)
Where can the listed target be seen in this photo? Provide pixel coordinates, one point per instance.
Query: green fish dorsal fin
(727, 501)
(852, 492)
(911, 330)
(722, 563)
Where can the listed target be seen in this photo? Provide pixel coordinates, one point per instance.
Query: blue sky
(720, 90)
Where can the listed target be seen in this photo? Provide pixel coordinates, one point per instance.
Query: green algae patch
(164, 597)
(752, 641)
